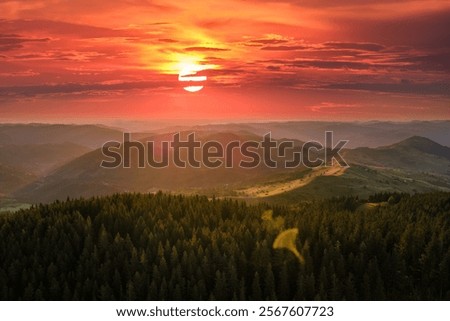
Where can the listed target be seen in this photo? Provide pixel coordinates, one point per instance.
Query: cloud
(73, 88)
(353, 48)
(358, 6)
(167, 40)
(285, 47)
(406, 87)
(422, 29)
(25, 73)
(367, 46)
(265, 41)
(273, 68)
(390, 59)
(61, 55)
(40, 8)
(330, 64)
(333, 107)
(67, 29)
(205, 49)
(14, 41)
(427, 61)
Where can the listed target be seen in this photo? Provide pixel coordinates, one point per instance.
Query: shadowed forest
(166, 247)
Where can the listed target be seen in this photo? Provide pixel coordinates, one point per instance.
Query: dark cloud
(275, 61)
(73, 88)
(224, 72)
(285, 47)
(166, 40)
(365, 46)
(204, 49)
(212, 59)
(330, 64)
(273, 68)
(402, 61)
(14, 41)
(431, 30)
(58, 28)
(332, 3)
(283, 81)
(24, 73)
(433, 62)
(352, 48)
(149, 4)
(401, 87)
(267, 41)
(73, 55)
(29, 56)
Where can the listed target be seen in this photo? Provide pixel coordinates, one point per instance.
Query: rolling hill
(85, 177)
(417, 154)
(29, 152)
(40, 159)
(416, 164)
(12, 179)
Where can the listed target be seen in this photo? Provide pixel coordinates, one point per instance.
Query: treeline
(166, 247)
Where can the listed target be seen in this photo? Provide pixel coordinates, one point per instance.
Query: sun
(188, 73)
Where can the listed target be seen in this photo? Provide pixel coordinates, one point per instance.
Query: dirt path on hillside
(281, 187)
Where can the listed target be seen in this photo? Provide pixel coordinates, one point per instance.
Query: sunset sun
(188, 75)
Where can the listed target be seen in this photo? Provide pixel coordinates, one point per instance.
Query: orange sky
(324, 60)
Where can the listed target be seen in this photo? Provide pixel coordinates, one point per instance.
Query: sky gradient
(63, 60)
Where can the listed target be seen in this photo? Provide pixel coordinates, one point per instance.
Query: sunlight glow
(188, 69)
(193, 89)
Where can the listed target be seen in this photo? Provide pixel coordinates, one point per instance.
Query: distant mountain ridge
(359, 133)
(91, 136)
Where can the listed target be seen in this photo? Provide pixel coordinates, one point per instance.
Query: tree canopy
(173, 247)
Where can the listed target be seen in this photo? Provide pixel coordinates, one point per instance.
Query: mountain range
(42, 163)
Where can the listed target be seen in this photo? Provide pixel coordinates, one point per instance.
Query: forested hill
(165, 247)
